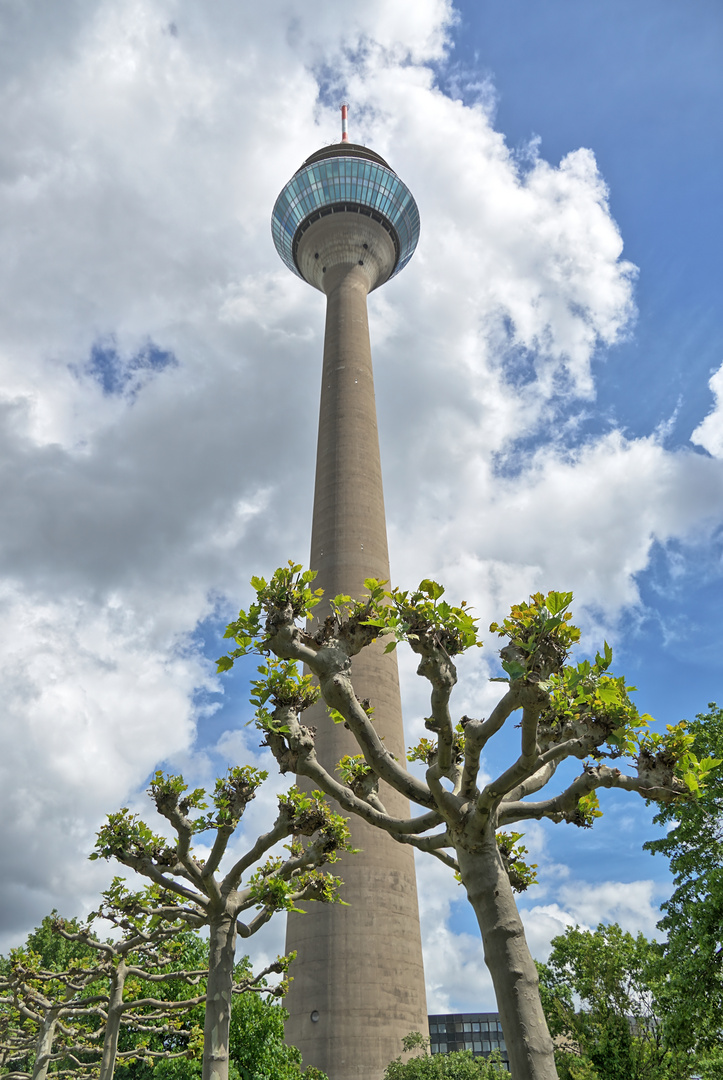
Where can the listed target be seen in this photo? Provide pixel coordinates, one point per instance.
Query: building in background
(479, 1032)
(346, 223)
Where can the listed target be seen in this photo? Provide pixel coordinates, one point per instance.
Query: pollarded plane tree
(71, 1017)
(563, 711)
(44, 1017)
(238, 900)
(147, 955)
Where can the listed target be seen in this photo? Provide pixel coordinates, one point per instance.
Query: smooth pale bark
(112, 1027)
(45, 1043)
(508, 958)
(219, 994)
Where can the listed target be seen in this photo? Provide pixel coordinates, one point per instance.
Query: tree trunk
(44, 1047)
(507, 956)
(221, 955)
(112, 1027)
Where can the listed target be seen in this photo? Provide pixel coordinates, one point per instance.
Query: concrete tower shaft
(358, 979)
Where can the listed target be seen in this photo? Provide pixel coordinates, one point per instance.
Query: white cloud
(584, 519)
(542, 923)
(92, 700)
(456, 976)
(630, 903)
(709, 433)
(634, 905)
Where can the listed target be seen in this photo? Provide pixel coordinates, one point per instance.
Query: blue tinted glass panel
(345, 179)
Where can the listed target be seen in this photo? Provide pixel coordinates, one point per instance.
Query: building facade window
(480, 1033)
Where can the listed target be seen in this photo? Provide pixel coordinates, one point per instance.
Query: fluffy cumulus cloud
(456, 976)
(160, 375)
(91, 701)
(709, 433)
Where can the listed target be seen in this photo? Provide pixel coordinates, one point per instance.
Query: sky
(549, 373)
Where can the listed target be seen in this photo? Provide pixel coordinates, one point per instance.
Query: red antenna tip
(344, 123)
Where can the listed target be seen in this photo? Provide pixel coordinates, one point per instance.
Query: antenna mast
(344, 124)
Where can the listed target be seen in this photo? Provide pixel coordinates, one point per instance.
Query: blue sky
(543, 368)
(640, 85)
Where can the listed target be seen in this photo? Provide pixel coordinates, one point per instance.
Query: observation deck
(345, 178)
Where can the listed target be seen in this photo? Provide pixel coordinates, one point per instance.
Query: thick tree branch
(449, 803)
(149, 869)
(184, 830)
(534, 783)
(223, 835)
(478, 733)
(246, 930)
(564, 805)
(532, 699)
(296, 752)
(331, 665)
(281, 829)
(191, 978)
(161, 1004)
(437, 667)
(418, 842)
(289, 642)
(310, 766)
(338, 692)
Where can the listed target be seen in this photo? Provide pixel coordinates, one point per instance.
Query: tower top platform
(347, 149)
(345, 178)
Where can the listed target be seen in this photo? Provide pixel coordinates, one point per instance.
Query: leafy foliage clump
(693, 916)
(459, 1065)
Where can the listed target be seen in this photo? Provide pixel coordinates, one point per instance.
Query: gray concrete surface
(359, 967)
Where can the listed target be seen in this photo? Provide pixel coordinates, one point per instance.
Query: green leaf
(514, 669)
(556, 602)
(431, 588)
(608, 693)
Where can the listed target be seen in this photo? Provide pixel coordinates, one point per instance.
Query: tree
(44, 1015)
(616, 1032)
(693, 916)
(69, 1004)
(257, 1049)
(181, 1043)
(193, 890)
(459, 1065)
(143, 957)
(153, 1045)
(579, 711)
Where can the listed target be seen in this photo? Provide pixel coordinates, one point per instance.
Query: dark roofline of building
(346, 149)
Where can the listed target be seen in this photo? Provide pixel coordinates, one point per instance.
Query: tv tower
(346, 223)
